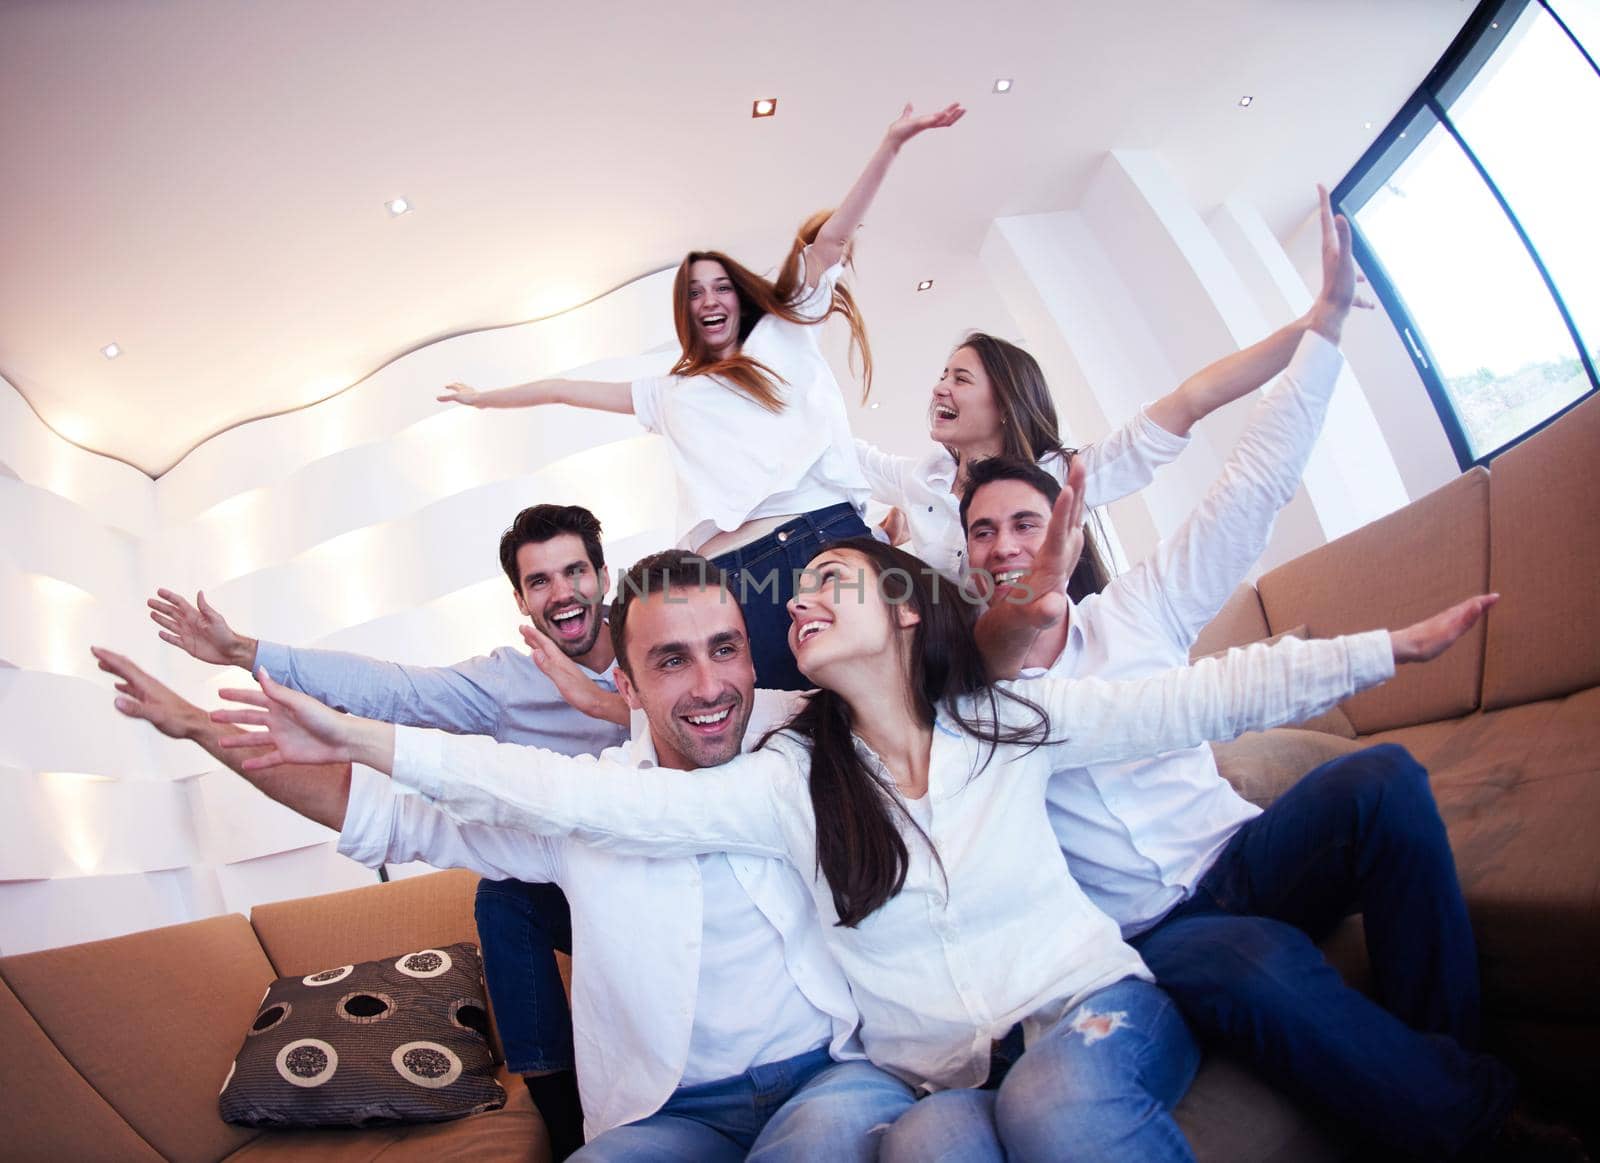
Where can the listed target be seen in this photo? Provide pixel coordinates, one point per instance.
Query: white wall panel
(42, 914)
(369, 522)
(286, 875)
(89, 825)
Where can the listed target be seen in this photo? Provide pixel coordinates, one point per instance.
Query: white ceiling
(202, 181)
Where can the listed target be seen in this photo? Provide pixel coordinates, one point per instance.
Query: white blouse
(733, 459)
(945, 966)
(1123, 463)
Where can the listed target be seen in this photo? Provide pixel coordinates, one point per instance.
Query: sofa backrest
(1240, 622)
(152, 1022)
(1544, 535)
(368, 923)
(1393, 572)
(50, 1111)
(364, 924)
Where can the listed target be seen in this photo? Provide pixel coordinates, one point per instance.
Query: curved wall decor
(369, 522)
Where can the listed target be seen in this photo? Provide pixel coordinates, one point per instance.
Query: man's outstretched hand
(141, 697)
(199, 630)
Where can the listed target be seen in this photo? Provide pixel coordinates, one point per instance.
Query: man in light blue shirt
(553, 558)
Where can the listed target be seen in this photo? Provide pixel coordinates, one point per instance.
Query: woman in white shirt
(910, 792)
(992, 399)
(754, 420)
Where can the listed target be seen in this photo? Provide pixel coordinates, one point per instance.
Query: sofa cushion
(1231, 1116)
(1391, 573)
(1239, 623)
(1544, 533)
(512, 1134)
(1262, 765)
(151, 1021)
(1520, 795)
(400, 1039)
(50, 1111)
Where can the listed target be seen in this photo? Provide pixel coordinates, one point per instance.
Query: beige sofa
(116, 1049)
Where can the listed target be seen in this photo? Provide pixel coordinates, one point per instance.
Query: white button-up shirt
(641, 999)
(1138, 836)
(733, 459)
(945, 966)
(1122, 463)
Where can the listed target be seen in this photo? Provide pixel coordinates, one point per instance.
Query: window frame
(1426, 108)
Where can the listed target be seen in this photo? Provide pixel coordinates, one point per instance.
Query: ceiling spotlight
(111, 351)
(1366, 125)
(1246, 101)
(398, 207)
(1003, 85)
(874, 404)
(925, 285)
(764, 107)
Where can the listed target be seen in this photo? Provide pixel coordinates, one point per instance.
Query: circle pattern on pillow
(426, 1064)
(427, 963)
(328, 976)
(403, 1039)
(307, 1062)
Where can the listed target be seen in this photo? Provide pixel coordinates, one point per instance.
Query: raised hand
(1339, 275)
(299, 729)
(910, 123)
(199, 630)
(462, 394)
(570, 681)
(1040, 594)
(142, 697)
(1431, 637)
(895, 526)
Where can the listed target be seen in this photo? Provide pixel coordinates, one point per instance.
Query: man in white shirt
(1223, 901)
(709, 1018)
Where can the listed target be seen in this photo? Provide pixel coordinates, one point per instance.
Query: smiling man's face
(560, 590)
(691, 674)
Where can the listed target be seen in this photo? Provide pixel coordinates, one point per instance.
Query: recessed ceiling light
(874, 404)
(1003, 85)
(111, 351)
(398, 207)
(925, 285)
(1366, 125)
(1246, 101)
(764, 107)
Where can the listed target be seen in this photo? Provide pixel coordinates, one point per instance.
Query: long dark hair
(860, 850)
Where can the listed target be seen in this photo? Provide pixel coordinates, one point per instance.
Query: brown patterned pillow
(405, 1039)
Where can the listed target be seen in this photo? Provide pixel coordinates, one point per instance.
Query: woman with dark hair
(909, 790)
(992, 399)
(754, 420)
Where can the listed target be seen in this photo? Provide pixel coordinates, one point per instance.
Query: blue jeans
(520, 927)
(1098, 1085)
(1361, 833)
(796, 1111)
(762, 575)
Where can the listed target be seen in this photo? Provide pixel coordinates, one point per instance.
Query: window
(1474, 217)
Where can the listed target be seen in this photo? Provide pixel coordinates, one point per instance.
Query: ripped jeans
(1098, 1085)
(801, 1109)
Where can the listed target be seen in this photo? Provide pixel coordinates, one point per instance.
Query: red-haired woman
(753, 416)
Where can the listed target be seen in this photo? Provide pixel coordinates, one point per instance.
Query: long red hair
(759, 297)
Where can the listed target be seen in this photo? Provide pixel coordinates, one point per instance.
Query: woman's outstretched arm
(837, 232)
(595, 394)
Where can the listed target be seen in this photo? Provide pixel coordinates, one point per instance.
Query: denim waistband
(814, 522)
